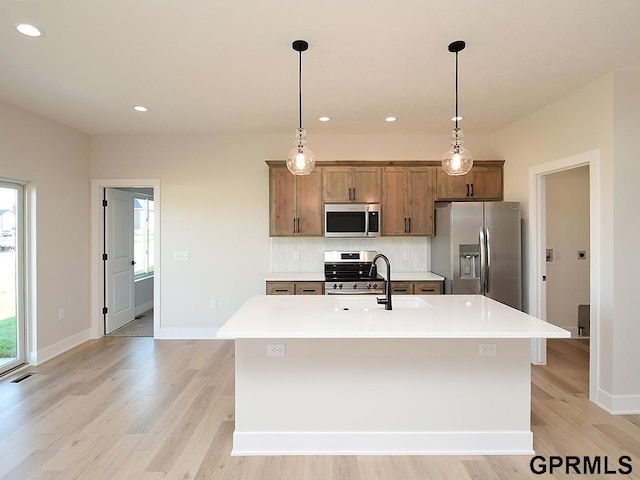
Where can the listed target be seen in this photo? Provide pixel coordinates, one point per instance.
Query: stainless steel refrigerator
(477, 248)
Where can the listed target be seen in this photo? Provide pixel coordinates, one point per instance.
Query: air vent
(23, 377)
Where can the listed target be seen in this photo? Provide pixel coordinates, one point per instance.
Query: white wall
(580, 122)
(53, 161)
(567, 221)
(626, 232)
(214, 204)
(143, 295)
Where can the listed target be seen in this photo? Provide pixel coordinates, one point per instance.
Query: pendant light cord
(300, 88)
(457, 91)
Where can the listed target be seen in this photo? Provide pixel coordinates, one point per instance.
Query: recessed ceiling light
(29, 30)
(140, 108)
(390, 119)
(324, 119)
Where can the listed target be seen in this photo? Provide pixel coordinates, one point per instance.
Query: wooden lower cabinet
(295, 288)
(309, 288)
(416, 288)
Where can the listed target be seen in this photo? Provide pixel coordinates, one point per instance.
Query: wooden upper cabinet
(352, 184)
(295, 203)
(406, 190)
(408, 201)
(481, 183)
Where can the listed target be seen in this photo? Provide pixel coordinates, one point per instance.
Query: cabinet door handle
(298, 228)
(472, 189)
(308, 290)
(294, 225)
(468, 190)
(399, 289)
(354, 194)
(427, 289)
(405, 224)
(409, 225)
(281, 290)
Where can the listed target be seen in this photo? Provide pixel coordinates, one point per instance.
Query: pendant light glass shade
(457, 160)
(300, 160)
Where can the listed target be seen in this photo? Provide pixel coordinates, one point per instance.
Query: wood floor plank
(136, 408)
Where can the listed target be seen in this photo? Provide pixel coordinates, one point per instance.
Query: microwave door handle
(366, 223)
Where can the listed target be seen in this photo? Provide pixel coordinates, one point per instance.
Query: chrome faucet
(387, 289)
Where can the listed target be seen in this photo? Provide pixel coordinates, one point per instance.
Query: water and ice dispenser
(469, 261)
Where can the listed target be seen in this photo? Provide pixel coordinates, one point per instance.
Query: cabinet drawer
(309, 288)
(280, 288)
(427, 288)
(402, 288)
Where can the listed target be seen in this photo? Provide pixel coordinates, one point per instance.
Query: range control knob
(375, 285)
(340, 286)
(368, 285)
(335, 286)
(355, 286)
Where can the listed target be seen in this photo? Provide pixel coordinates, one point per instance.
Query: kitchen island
(443, 374)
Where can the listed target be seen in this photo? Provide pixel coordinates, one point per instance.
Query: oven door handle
(351, 292)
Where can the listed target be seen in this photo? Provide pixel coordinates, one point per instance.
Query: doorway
(567, 250)
(12, 268)
(537, 253)
(146, 270)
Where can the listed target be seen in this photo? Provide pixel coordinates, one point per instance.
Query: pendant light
(458, 160)
(301, 159)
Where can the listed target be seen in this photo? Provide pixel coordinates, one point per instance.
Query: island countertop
(358, 316)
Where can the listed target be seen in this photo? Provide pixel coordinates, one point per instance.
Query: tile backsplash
(306, 254)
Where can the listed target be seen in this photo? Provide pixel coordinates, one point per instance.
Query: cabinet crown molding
(386, 163)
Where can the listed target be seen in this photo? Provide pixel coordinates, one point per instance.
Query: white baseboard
(168, 333)
(47, 353)
(382, 443)
(618, 404)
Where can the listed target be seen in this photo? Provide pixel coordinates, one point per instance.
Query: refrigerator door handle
(483, 261)
(487, 239)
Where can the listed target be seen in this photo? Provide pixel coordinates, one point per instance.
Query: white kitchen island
(357, 379)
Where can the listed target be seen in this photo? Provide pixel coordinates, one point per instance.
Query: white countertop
(358, 316)
(319, 277)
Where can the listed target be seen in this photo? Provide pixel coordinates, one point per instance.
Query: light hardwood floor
(135, 408)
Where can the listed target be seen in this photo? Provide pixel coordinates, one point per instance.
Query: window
(143, 241)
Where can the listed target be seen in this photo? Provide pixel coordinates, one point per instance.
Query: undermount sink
(368, 302)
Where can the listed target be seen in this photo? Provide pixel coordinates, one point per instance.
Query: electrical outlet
(275, 350)
(213, 305)
(181, 256)
(61, 314)
(488, 349)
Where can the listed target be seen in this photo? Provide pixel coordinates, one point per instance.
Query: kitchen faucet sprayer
(387, 289)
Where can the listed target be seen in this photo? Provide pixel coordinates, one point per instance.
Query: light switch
(181, 256)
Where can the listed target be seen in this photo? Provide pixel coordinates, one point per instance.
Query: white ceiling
(227, 65)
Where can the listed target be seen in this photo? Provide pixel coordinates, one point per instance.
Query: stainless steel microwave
(351, 220)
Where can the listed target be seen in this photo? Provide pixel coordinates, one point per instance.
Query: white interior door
(119, 286)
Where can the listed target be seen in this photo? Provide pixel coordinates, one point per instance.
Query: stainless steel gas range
(347, 273)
